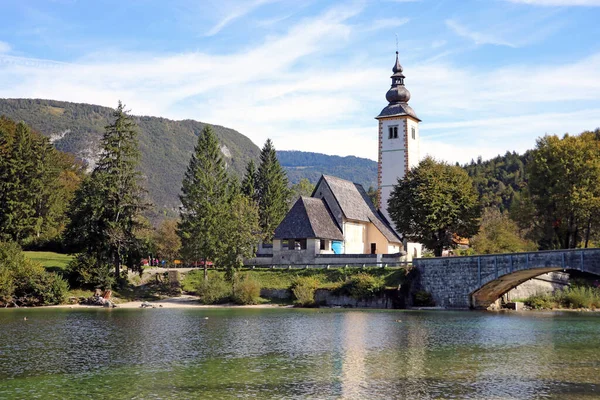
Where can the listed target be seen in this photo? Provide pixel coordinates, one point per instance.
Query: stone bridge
(478, 281)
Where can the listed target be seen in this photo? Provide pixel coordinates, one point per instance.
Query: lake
(297, 354)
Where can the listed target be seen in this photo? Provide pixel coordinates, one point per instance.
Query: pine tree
(249, 181)
(106, 208)
(272, 191)
(204, 201)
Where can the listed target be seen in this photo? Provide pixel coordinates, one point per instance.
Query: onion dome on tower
(398, 95)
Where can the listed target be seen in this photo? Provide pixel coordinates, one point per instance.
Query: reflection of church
(339, 218)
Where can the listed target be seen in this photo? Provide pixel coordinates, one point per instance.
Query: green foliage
(306, 165)
(26, 283)
(564, 187)
(246, 290)
(165, 144)
(499, 234)
(423, 299)
(272, 191)
(215, 290)
(249, 181)
(304, 289)
(105, 213)
(435, 203)
(239, 233)
(36, 184)
(86, 271)
(302, 188)
(166, 241)
(499, 180)
(541, 301)
(570, 297)
(205, 196)
(362, 285)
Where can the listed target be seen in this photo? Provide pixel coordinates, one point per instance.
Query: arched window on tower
(393, 132)
(414, 132)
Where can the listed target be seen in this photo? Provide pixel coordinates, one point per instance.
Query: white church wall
(354, 238)
(413, 144)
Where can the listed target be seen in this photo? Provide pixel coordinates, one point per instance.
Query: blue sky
(486, 76)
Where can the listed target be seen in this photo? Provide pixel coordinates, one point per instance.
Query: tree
(106, 209)
(564, 186)
(240, 232)
(204, 202)
(36, 184)
(434, 203)
(302, 188)
(166, 240)
(272, 191)
(249, 181)
(374, 196)
(499, 234)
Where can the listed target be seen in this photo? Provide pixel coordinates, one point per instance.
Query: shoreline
(184, 301)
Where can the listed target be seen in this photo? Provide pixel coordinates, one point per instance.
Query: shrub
(246, 290)
(25, 282)
(363, 285)
(215, 290)
(581, 297)
(304, 290)
(84, 272)
(541, 301)
(423, 299)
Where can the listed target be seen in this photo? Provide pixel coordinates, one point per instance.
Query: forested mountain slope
(166, 145)
(301, 164)
(499, 180)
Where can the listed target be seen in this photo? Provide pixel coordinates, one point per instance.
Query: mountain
(166, 145)
(301, 164)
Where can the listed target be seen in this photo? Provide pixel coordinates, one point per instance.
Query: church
(339, 220)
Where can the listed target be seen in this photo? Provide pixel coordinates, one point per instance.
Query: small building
(339, 218)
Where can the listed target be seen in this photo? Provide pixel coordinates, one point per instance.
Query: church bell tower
(398, 138)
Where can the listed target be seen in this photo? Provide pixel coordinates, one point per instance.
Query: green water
(297, 354)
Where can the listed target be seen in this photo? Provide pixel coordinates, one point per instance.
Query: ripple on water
(287, 353)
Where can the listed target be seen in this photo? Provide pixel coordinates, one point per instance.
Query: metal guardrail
(332, 265)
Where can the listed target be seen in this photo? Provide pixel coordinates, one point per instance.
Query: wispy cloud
(4, 47)
(561, 3)
(477, 37)
(238, 11)
(386, 23)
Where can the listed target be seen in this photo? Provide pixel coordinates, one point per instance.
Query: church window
(393, 132)
(414, 132)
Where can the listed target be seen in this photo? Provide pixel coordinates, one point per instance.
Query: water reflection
(347, 354)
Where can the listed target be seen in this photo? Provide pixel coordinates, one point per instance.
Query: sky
(485, 76)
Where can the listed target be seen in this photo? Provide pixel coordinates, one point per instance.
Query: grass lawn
(50, 260)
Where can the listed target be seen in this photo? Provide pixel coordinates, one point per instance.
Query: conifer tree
(204, 201)
(272, 191)
(249, 181)
(107, 207)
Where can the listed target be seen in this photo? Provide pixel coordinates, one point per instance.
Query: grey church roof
(356, 205)
(309, 218)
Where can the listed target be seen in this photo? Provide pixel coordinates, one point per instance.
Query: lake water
(297, 354)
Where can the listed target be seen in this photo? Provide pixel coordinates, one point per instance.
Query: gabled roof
(356, 205)
(309, 218)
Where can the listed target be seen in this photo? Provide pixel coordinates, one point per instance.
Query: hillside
(300, 164)
(499, 180)
(166, 145)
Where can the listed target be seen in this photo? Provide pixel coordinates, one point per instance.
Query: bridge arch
(478, 281)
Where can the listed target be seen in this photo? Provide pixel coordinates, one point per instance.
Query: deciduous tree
(433, 203)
